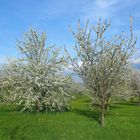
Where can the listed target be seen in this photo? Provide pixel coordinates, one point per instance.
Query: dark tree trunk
(37, 106)
(132, 99)
(102, 115)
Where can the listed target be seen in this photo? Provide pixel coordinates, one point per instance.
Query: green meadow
(122, 122)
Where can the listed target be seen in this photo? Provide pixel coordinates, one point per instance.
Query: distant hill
(74, 76)
(77, 79)
(137, 66)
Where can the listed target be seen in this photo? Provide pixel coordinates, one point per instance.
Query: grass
(122, 123)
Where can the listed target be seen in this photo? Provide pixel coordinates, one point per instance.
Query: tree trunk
(102, 115)
(107, 104)
(132, 99)
(37, 106)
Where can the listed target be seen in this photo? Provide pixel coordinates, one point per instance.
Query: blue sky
(54, 16)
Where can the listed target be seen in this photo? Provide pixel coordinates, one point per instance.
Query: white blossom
(34, 81)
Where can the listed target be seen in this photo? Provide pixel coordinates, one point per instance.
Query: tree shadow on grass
(114, 106)
(8, 108)
(12, 133)
(86, 101)
(88, 113)
(128, 103)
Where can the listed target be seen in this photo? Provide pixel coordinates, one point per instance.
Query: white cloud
(90, 9)
(106, 8)
(105, 3)
(136, 61)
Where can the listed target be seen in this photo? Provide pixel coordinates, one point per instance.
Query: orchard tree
(135, 84)
(102, 64)
(34, 81)
(3, 89)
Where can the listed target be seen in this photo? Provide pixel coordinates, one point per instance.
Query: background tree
(101, 64)
(135, 84)
(34, 80)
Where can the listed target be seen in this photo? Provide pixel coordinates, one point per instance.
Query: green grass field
(122, 123)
